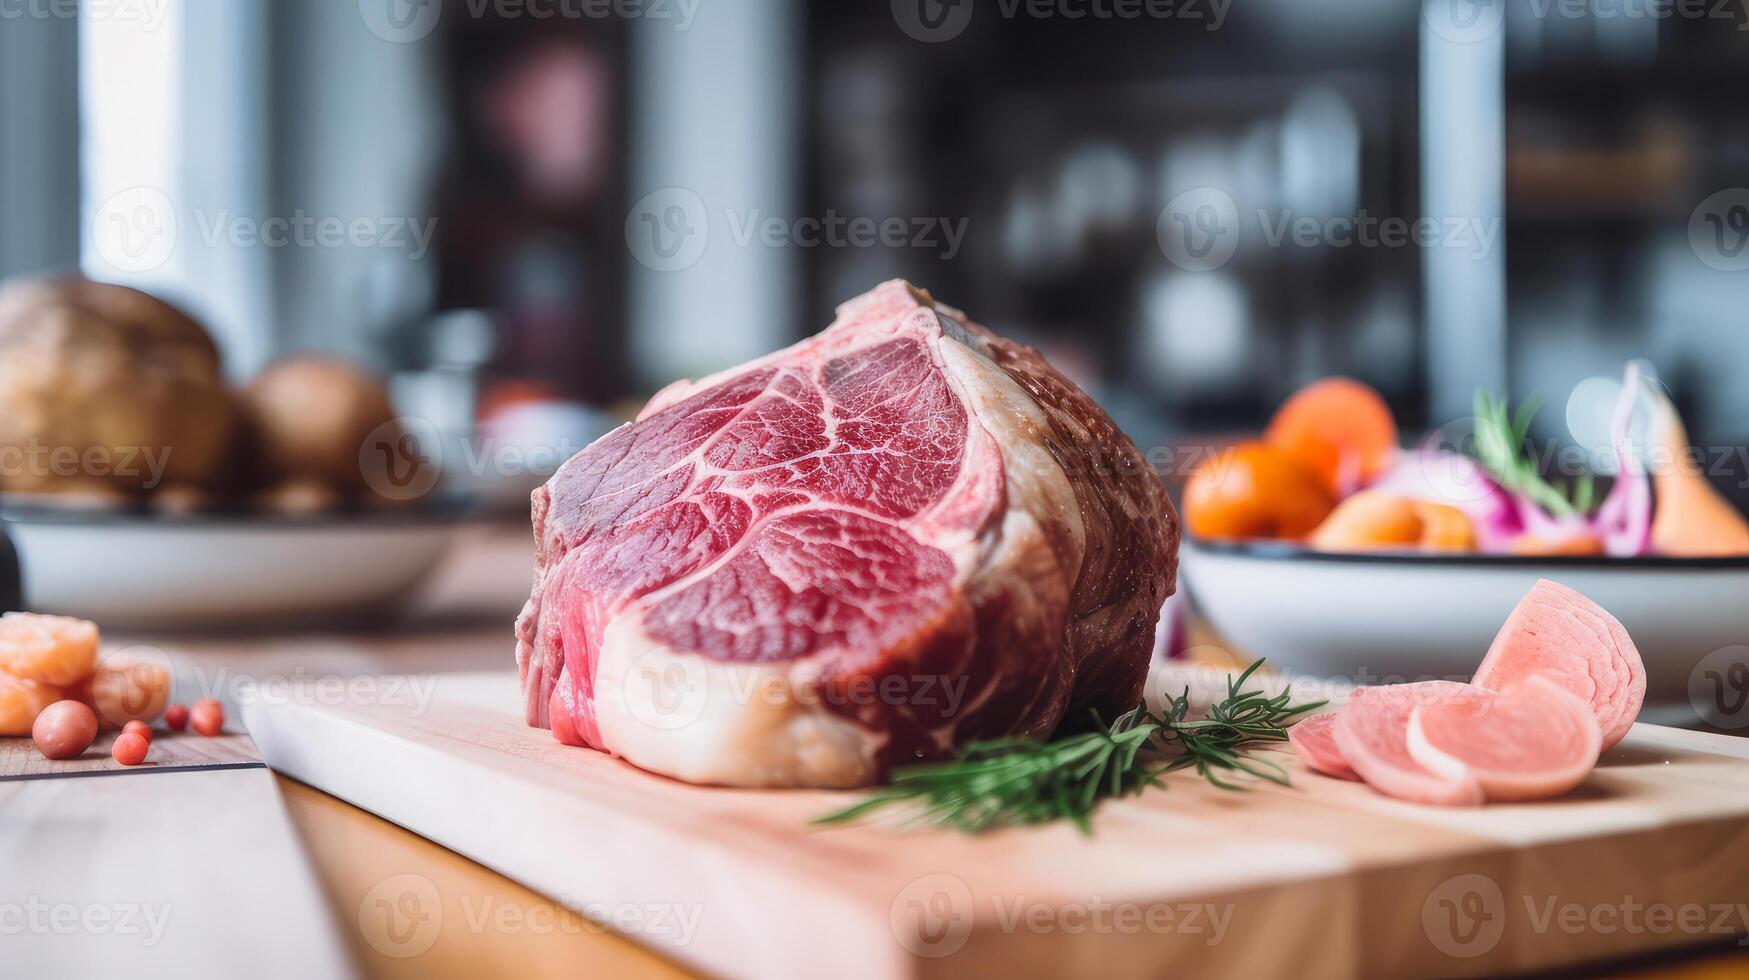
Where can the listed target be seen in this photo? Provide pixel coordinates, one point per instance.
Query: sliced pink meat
(1531, 741)
(1314, 741)
(1559, 635)
(1372, 733)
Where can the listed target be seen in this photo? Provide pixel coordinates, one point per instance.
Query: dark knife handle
(11, 577)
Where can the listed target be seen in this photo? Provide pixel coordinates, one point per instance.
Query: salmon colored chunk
(1372, 733)
(1533, 741)
(1559, 635)
(54, 650)
(1314, 741)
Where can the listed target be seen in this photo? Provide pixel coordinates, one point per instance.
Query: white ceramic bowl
(1383, 617)
(137, 570)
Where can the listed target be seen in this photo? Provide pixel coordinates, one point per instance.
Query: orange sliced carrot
(1342, 428)
(1578, 544)
(1373, 521)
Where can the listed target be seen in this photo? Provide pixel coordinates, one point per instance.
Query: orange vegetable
(1580, 544)
(130, 748)
(1342, 429)
(1691, 517)
(64, 730)
(1254, 490)
(1373, 521)
(208, 717)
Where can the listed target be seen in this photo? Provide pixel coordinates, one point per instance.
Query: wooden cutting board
(1325, 878)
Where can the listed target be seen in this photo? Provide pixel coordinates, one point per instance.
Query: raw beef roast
(897, 535)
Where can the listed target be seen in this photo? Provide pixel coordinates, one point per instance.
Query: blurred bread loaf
(105, 386)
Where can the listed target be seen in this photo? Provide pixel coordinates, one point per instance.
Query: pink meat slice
(1372, 733)
(1559, 635)
(1530, 742)
(1314, 741)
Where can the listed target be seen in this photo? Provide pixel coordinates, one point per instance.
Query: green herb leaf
(1500, 448)
(1013, 781)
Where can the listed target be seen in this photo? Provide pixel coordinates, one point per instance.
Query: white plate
(152, 571)
(1382, 617)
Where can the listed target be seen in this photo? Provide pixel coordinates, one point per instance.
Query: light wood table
(407, 907)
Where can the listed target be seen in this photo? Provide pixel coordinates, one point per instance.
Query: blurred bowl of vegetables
(1333, 552)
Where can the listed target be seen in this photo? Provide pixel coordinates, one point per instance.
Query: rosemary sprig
(1500, 435)
(1012, 781)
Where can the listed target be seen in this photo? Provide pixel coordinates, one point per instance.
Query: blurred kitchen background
(596, 180)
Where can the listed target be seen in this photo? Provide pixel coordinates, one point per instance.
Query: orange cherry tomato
(208, 717)
(64, 730)
(1341, 428)
(130, 748)
(1254, 490)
